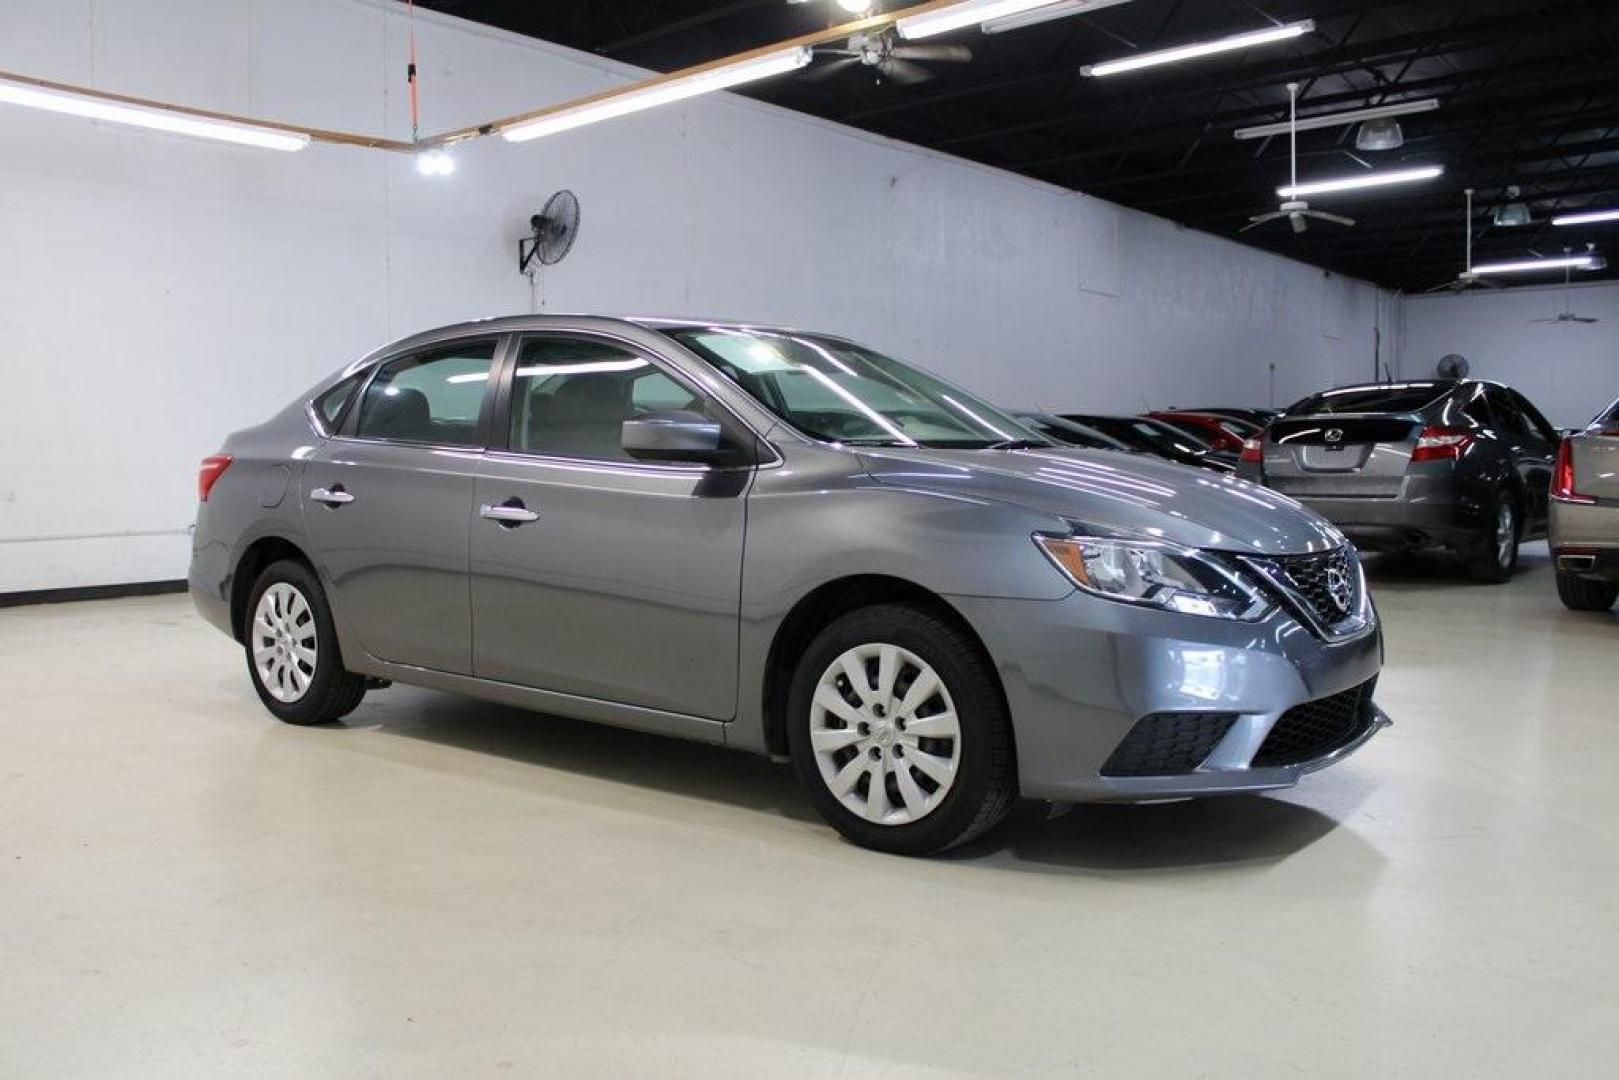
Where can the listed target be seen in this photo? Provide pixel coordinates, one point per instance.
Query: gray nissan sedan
(788, 543)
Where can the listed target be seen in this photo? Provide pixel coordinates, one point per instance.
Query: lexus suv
(791, 544)
(1461, 464)
(1585, 515)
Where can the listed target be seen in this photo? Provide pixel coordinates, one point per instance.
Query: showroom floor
(445, 887)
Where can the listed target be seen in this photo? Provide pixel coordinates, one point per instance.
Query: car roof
(505, 324)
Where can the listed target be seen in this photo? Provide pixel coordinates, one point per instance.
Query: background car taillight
(1253, 451)
(1441, 444)
(1563, 476)
(213, 467)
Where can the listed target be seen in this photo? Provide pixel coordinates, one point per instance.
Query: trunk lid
(1339, 455)
(1596, 465)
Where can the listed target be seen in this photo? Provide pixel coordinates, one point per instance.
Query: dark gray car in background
(1462, 464)
(790, 544)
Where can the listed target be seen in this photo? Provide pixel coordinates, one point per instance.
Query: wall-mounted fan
(1296, 211)
(555, 229)
(881, 53)
(1453, 366)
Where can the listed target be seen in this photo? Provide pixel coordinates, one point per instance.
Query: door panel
(389, 506)
(396, 554)
(593, 573)
(626, 587)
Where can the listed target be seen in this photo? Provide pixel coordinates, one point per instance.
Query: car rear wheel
(1495, 556)
(1583, 594)
(899, 733)
(292, 653)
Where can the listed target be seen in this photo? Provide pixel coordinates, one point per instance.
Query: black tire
(1488, 562)
(332, 692)
(1583, 594)
(984, 784)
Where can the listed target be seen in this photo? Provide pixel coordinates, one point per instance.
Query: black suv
(1462, 464)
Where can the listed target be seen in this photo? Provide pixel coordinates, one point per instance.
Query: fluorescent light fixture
(92, 107)
(1571, 262)
(1364, 180)
(1062, 9)
(856, 7)
(1205, 48)
(1586, 217)
(1327, 120)
(968, 12)
(657, 92)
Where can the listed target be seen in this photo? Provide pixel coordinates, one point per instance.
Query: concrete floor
(188, 888)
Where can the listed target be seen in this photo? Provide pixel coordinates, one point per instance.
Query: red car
(1225, 434)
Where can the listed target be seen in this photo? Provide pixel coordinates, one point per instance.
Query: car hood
(1113, 493)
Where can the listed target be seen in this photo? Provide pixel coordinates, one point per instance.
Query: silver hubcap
(284, 642)
(1506, 532)
(885, 734)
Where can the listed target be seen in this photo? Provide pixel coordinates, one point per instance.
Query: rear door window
(433, 397)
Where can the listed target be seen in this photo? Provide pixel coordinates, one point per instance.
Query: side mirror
(672, 436)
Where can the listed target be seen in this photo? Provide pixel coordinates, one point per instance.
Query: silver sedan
(791, 544)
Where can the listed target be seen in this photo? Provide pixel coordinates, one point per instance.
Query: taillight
(1253, 451)
(213, 467)
(1441, 444)
(1563, 476)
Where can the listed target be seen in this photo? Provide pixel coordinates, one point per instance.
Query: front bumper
(1081, 672)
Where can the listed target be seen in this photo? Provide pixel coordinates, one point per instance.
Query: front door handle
(509, 514)
(334, 496)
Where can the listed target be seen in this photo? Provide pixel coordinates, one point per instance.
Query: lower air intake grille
(1316, 728)
(1165, 744)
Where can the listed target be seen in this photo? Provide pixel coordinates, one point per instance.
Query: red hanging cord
(410, 74)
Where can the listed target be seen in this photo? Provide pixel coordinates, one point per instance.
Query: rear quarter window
(331, 404)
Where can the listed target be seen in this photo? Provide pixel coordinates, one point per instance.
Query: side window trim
(500, 432)
(349, 428)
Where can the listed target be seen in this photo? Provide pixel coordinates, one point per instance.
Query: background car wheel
(1496, 556)
(291, 646)
(898, 731)
(1583, 594)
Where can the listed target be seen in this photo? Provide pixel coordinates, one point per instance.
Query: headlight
(1154, 574)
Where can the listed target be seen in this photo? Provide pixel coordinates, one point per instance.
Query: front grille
(1316, 728)
(1325, 588)
(1164, 744)
(1329, 583)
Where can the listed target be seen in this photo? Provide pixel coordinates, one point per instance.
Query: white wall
(1569, 370)
(156, 293)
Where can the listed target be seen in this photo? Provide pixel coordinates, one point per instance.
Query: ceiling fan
(886, 57)
(1295, 210)
(1567, 314)
(1466, 279)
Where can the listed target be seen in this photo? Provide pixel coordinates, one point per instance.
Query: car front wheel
(898, 730)
(292, 652)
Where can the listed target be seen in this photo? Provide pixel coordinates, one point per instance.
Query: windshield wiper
(1018, 444)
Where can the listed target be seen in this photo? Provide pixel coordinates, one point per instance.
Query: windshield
(841, 392)
(1399, 397)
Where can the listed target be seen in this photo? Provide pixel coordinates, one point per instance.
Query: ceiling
(1529, 92)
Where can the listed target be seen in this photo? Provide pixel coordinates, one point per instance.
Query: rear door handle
(511, 513)
(335, 496)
